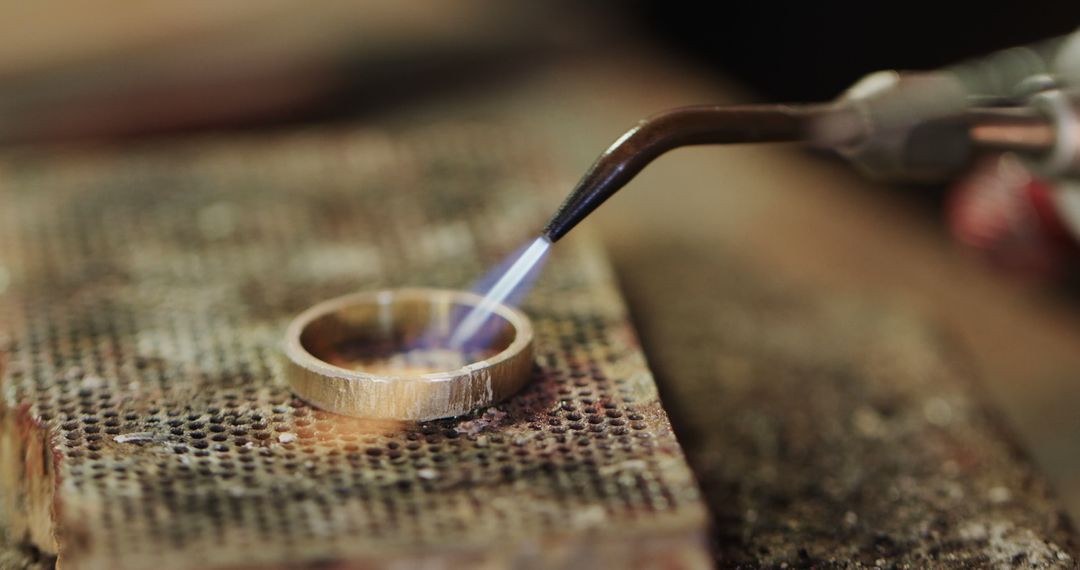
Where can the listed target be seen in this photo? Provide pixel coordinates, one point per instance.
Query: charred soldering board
(146, 424)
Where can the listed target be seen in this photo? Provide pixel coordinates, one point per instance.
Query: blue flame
(506, 284)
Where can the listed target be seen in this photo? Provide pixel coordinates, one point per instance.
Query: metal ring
(326, 345)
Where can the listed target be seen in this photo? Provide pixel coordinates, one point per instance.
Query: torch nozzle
(654, 136)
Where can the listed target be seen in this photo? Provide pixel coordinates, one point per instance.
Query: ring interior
(402, 337)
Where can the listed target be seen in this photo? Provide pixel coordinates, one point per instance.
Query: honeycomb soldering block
(147, 422)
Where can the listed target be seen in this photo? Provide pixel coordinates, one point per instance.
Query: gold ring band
(357, 355)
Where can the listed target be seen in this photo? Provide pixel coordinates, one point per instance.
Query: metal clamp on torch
(1022, 103)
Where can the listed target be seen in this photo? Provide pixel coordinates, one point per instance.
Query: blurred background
(162, 67)
(115, 72)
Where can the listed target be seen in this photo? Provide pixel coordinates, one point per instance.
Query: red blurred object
(1010, 215)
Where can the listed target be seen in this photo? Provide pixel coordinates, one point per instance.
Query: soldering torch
(924, 126)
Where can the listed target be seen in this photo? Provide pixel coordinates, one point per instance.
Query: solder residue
(148, 347)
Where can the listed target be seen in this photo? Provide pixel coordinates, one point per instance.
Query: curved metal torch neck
(639, 146)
